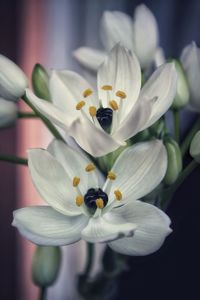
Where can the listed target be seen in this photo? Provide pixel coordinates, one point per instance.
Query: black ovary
(104, 116)
(92, 195)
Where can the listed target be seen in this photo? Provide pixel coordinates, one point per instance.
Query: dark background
(172, 272)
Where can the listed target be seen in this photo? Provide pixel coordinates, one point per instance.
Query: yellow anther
(113, 104)
(111, 175)
(79, 200)
(107, 87)
(99, 203)
(76, 181)
(80, 105)
(92, 111)
(121, 94)
(118, 194)
(90, 168)
(87, 93)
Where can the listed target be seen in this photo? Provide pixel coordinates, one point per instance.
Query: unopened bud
(174, 166)
(40, 82)
(46, 265)
(8, 113)
(195, 147)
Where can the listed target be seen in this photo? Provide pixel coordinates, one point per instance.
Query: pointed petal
(152, 228)
(74, 164)
(44, 226)
(122, 71)
(145, 35)
(190, 59)
(116, 27)
(89, 58)
(101, 230)
(161, 86)
(139, 169)
(52, 182)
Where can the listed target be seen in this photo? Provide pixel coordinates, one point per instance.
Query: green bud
(174, 166)
(46, 265)
(40, 82)
(195, 147)
(182, 93)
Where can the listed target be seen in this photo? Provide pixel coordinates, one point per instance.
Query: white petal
(145, 35)
(52, 182)
(13, 81)
(92, 139)
(139, 169)
(44, 226)
(8, 112)
(152, 229)
(122, 71)
(190, 59)
(89, 58)
(116, 27)
(159, 58)
(161, 86)
(74, 164)
(101, 230)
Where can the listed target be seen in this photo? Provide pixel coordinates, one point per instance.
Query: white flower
(101, 122)
(81, 208)
(190, 59)
(13, 81)
(8, 113)
(139, 35)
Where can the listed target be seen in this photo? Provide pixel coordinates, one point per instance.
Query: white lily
(82, 209)
(139, 35)
(103, 121)
(8, 113)
(190, 59)
(13, 81)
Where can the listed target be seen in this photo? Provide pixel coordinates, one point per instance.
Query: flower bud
(40, 82)
(174, 166)
(195, 147)
(8, 113)
(13, 81)
(46, 265)
(182, 93)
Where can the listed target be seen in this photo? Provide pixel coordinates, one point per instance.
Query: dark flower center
(104, 116)
(94, 194)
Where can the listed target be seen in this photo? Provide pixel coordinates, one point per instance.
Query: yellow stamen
(111, 175)
(92, 111)
(113, 104)
(99, 203)
(80, 105)
(118, 194)
(79, 200)
(121, 94)
(76, 181)
(107, 87)
(90, 168)
(87, 93)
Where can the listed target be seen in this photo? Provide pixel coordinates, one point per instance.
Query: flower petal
(89, 58)
(161, 86)
(74, 164)
(152, 228)
(44, 226)
(190, 59)
(145, 35)
(52, 182)
(139, 169)
(122, 71)
(116, 27)
(8, 113)
(100, 230)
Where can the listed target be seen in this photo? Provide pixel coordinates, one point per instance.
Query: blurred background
(46, 32)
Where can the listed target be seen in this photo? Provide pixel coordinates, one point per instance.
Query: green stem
(42, 293)
(90, 258)
(48, 124)
(176, 118)
(14, 159)
(186, 143)
(23, 115)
